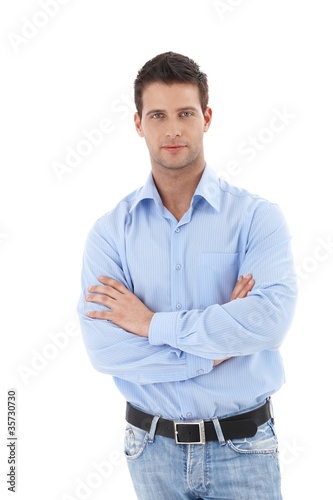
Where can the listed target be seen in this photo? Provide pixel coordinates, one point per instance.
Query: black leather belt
(199, 431)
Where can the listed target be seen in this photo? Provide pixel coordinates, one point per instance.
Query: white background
(70, 74)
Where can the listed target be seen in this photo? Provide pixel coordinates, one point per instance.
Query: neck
(176, 188)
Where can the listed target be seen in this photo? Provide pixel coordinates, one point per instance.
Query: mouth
(174, 148)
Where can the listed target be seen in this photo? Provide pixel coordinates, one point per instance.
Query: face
(173, 125)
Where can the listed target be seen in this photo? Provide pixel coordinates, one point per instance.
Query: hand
(125, 309)
(242, 288)
(129, 312)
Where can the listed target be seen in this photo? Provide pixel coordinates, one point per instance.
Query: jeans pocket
(135, 441)
(264, 441)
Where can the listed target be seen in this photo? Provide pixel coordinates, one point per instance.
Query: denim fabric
(239, 469)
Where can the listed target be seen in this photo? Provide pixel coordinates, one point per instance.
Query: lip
(174, 148)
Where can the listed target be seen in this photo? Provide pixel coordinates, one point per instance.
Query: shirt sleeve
(249, 325)
(113, 350)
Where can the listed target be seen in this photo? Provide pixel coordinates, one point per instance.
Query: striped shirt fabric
(185, 272)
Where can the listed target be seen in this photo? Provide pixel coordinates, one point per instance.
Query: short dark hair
(169, 68)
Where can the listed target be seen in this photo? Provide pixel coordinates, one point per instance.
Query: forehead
(168, 96)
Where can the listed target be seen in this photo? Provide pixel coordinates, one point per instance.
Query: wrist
(145, 325)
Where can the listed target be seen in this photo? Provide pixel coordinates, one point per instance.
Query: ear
(208, 115)
(137, 122)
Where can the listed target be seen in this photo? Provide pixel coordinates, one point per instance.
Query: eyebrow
(184, 108)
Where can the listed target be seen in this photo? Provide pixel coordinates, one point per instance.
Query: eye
(157, 115)
(186, 114)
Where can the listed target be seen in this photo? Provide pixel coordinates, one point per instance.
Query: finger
(219, 361)
(113, 283)
(247, 288)
(100, 299)
(99, 315)
(103, 290)
(242, 288)
(240, 285)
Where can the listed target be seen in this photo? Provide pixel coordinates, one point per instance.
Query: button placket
(177, 266)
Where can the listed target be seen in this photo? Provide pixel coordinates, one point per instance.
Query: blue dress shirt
(185, 272)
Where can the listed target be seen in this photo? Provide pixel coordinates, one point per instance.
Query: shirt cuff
(198, 366)
(162, 331)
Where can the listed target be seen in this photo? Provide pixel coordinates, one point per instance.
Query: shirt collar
(147, 192)
(208, 188)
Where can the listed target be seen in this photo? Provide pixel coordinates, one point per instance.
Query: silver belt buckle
(201, 429)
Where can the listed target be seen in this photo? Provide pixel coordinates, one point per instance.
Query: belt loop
(152, 430)
(269, 399)
(218, 430)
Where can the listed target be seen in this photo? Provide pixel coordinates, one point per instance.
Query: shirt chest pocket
(217, 276)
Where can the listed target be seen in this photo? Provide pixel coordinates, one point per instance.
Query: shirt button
(178, 266)
(178, 306)
(201, 371)
(177, 230)
(189, 414)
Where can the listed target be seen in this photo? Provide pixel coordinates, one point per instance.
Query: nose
(173, 129)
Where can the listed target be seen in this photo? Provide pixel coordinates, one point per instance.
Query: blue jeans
(238, 469)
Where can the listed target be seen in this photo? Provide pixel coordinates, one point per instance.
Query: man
(188, 290)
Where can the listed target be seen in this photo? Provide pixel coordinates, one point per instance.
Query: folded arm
(127, 311)
(115, 350)
(182, 345)
(242, 327)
